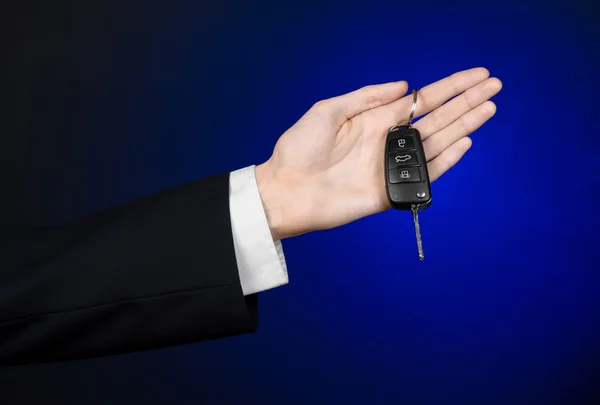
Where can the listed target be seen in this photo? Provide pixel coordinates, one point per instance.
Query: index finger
(433, 95)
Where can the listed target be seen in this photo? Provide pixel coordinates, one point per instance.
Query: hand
(327, 169)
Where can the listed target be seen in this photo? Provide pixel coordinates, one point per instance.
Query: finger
(346, 106)
(448, 158)
(445, 115)
(465, 125)
(435, 94)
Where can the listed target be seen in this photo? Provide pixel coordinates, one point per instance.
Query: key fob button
(404, 175)
(401, 143)
(401, 158)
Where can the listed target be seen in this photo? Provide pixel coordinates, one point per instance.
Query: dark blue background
(504, 310)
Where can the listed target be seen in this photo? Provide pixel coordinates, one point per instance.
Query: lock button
(405, 175)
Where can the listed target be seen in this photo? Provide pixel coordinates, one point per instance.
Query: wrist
(285, 210)
(271, 195)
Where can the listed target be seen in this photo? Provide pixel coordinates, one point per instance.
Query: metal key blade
(415, 211)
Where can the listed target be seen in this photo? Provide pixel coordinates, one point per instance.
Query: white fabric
(260, 259)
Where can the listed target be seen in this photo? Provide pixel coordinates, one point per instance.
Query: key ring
(413, 108)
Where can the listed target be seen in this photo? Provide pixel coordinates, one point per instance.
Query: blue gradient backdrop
(504, 310)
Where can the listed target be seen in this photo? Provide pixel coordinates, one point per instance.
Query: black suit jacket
(155, 272)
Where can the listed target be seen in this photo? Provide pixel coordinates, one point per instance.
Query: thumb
(348, 105)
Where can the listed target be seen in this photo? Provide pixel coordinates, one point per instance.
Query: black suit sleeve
(156, 272)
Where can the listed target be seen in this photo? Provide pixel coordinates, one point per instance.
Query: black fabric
(155, 272)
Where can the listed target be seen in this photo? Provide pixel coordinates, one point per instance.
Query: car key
(407, 179)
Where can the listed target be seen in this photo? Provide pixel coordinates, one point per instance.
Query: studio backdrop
(130, 97)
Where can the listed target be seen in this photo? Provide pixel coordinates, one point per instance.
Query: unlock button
(402, 143)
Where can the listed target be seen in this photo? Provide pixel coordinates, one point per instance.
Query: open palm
(327, 169)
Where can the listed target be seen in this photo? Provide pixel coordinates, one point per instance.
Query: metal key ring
(413, 108)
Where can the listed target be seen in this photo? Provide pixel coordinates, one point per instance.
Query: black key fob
(406, 175)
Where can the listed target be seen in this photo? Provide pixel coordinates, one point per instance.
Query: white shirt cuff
(260, 259)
